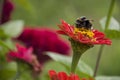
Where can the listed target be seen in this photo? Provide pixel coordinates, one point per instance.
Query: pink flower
(63, 76)
(25, 55)
(83, 35)
(6, 11)
(43, 40)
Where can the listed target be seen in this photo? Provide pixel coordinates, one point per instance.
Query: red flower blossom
(24, 55)
(83, 35)
(43, 40)
(6, 11)
(63, 76)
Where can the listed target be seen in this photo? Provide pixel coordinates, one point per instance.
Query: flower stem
(78, 50)
(112, 4)
(98, 60)
(75, 60)
(18, 73)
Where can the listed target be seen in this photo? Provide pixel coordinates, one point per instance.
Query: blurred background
(48, 13)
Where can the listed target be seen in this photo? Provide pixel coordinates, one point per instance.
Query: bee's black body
(83, 23)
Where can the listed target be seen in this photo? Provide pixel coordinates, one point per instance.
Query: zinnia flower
(25, 55)
(43, 40)
(83, 35)
(6, 11)
(63, 76)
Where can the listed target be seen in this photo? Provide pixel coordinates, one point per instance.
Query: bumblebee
(83, 22)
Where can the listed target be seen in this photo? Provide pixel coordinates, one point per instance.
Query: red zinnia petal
(53, 75)
(62, 76)
(83, 36)
(61, 32)
(74, 77)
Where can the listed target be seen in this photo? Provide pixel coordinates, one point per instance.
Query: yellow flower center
(84, 31)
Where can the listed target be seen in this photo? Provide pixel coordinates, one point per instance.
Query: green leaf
(12, 28)
(26, 4)
(113, 34)
(113, 31)
(114, 25)
(6, 74)
(2, 34)
(3, 45)
(7, 71)
(108, 78)
(10, 44)
(7, 44)
(83, 68)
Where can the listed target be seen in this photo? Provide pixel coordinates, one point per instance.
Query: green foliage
(26, 4)
(12, 28)
(83, 69)
(8, 31)
(10, 71)
(108, 78)
(114, 24)
(7, 71)
(113, 30)
(7, 44)
(113, 34)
